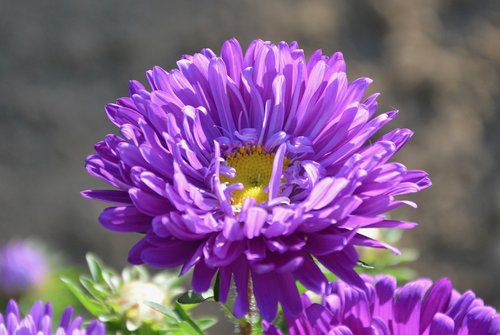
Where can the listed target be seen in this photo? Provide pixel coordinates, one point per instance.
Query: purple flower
(419, 307)
(23, 266)
(39, 322)
(248, 165)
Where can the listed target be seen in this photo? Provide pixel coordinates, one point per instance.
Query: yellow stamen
(254, 167)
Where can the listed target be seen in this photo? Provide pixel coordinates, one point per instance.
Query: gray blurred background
(438, 61)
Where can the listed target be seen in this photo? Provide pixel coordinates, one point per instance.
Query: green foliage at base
(136, 302)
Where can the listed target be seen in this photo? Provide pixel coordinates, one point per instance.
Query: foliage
(135, 302)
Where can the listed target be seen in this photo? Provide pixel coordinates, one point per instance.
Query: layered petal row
(418, 307)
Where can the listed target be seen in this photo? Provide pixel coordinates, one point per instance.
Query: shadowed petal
(125, 219)
(341, 264)
(437, 300)
(266, 290)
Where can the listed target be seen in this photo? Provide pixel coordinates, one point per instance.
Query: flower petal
(441, 324)
(125, 219)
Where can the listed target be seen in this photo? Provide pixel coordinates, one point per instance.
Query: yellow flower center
(254, 167)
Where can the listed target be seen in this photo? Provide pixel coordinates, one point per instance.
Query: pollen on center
(254, 167)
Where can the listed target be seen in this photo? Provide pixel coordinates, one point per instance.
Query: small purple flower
(248, 166)
(419, 307)
(23, 266)
(39, 322)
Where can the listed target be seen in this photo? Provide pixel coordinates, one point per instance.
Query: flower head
(39, 322)
(248, 165)
(23, 266)
(419, 307)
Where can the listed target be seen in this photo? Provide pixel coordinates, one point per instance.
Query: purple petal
(192, 260)
(340, 330)
(274, 182)
(495, 325)
(441, 324)
(224, 283)
(160, 225)
(320, 318)
(341, 264)
(479, 320)
(240, 271)
(385, 287)
(66, 317)
(323, 243)
(269, 329)
(324, 192)
(392, 224)
(255, 220)
(380, 327)
(362, 240)
(202, 277)
(12, 309)
(112, 196)
(233, 58)
(125, 219)
(256, 250)
(458, 311)
(266, 290)
(37, 312)
(437, 301)
(289, 295)
(134, 254)
(217, 78)
(170, 254)
(407, 308)
(310, 275)
(148, 203)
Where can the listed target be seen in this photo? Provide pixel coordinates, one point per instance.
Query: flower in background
(135, 301)
(39, 322)
(249, 166)
(23, 267)
(419, 307)
(133, 296)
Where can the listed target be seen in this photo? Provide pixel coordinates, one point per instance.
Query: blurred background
(437, 61)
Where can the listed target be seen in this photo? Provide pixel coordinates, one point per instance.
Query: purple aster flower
(249, 166)
(39, 322)
(23, 266)
(419, 307)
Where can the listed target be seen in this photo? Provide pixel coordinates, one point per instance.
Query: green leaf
(165, 310)
(112, 280)
(94, 288)
(257, 328)
(109, 318)
(187, 329)
(365, 265)
(191, 297)
(185, 317)
(95, 267)
(217, 286)
(206, 323)
(91, 305)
